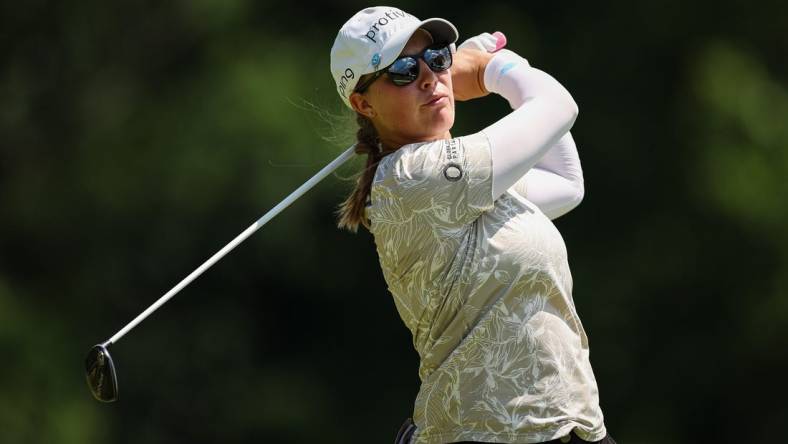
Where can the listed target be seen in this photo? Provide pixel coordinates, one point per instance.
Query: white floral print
(484, 287)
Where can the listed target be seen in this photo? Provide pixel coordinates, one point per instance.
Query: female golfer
(463, 230)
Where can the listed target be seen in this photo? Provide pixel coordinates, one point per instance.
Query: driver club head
(100, 374)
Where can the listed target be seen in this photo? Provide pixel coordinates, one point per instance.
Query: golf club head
(100, 373)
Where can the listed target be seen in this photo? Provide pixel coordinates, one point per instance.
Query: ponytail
(351, 211)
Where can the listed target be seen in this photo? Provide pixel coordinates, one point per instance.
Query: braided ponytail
(351, 211)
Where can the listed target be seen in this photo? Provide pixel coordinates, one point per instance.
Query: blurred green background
(137, 138)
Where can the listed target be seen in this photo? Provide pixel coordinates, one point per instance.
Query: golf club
(100, 369)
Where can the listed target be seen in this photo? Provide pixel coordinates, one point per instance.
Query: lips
(436, 100)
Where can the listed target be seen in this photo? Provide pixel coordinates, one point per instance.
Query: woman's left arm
(555, 184)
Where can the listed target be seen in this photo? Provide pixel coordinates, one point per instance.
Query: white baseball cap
(373, 38)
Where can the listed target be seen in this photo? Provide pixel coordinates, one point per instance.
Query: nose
(427, 77)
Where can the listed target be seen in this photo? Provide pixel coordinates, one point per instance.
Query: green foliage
(742, 136)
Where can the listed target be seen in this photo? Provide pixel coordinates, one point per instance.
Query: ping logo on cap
(348, 74)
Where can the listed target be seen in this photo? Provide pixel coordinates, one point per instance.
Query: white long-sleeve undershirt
(532, 149)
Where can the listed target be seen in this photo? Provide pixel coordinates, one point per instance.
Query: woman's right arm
(545, 114)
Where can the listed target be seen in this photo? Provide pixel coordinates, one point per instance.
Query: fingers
(500, 40)
(485, 42)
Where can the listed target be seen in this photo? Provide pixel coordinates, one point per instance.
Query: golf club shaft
(328, 169)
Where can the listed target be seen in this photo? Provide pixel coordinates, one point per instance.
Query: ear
(361, 105)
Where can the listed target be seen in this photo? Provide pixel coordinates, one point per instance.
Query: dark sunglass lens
(438, 59)
(404, 70)
(100, 372)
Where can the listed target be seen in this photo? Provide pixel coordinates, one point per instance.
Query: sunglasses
(405, 69)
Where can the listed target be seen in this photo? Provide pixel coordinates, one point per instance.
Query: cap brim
(442, 31)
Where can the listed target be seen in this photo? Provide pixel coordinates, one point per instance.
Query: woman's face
(419, 111)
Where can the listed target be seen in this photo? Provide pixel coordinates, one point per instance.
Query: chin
(444, 121)
(434, 125)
